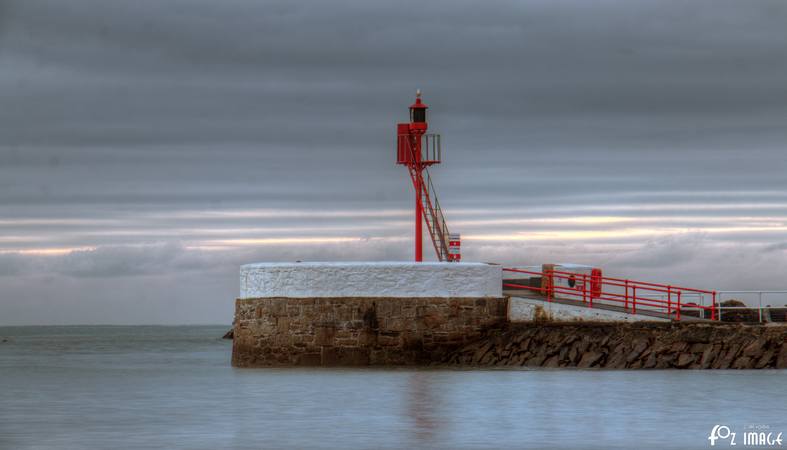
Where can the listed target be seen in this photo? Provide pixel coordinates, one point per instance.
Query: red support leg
(419, 253)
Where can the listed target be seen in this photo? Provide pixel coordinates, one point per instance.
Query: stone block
(395, 324)
(432, 319)
(352, 356)
(388, 340)
(329, 357)
(324, 335)
(309, 359)
(283, 325)
(277, 308)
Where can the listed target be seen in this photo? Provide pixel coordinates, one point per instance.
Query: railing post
(634, 301)
(584, 288)
(760, 309)
(626, 304)
(550, 284)
(677, 316)
(713, 308)
(590, 304)
(669, 301)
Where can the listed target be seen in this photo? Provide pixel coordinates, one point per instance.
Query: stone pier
(335, 314)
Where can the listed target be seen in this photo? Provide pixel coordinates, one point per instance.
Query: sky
(149, 148)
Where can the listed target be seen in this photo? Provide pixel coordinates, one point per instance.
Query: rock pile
(629, 346)
(739, 314)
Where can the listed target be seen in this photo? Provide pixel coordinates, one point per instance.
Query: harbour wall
(351, 331)
(381, 313)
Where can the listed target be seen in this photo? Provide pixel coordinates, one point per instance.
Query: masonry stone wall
(338, 331)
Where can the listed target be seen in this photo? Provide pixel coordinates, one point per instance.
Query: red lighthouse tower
(417, 149)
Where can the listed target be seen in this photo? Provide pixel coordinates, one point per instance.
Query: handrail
(439, 212)
(622, 280)
(630, 293)
(760, 308)
(431, 148)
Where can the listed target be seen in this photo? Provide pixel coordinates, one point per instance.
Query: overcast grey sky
(149, 148)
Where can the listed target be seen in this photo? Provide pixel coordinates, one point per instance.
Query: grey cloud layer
(117, 119)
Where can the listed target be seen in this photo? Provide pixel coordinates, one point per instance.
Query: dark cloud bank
(148, 148)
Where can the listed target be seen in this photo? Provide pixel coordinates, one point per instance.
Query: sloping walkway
(619, 312)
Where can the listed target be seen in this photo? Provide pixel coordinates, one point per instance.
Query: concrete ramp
(527, 309)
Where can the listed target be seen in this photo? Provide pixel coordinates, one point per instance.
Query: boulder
(684, 360)
(765, 360)
(639, 347)
(589, 359)
(709, 355)
(691, 309)
(535, 361)
(781, 362)
(738, 315)
(617, 360)
(744, 362)
(778, 314)
(552, 362)
(755, 349)
(649, 363)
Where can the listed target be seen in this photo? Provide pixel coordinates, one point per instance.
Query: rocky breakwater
(643, 345)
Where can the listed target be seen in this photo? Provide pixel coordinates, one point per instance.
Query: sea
(172, 387)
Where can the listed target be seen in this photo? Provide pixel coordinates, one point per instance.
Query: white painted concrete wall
(522, 309)
(370, 279)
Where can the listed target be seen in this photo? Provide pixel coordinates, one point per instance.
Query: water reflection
(423, 407)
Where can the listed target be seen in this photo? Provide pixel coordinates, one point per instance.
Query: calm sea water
(173, 388)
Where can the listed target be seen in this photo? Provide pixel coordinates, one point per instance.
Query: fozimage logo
(752, 436)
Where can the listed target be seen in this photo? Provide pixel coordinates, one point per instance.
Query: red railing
(431, 150)
(629, 294)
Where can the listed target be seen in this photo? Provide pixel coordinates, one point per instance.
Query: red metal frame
(631, 294)
(418, 150)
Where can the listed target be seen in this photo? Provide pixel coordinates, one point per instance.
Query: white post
(718, 299)
(760, 306)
